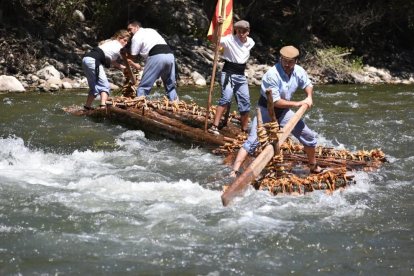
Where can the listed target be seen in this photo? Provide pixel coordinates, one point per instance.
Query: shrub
(337, 59)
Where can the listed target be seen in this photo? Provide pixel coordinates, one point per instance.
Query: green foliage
(61, 12)
(55, 14)
(109, 16)
(337, 59)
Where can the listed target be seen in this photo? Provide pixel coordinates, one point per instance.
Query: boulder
(67, 85)
(55, 81)
(48, 72)
(78, 15)
(53, 87)
(10, 83)
(198, 79)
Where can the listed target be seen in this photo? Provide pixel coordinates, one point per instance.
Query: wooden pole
(270, 107)
(287, 129)
(239, 186)
(216, 54)
(128, 69)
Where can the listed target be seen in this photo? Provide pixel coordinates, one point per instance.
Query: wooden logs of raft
(274, 171)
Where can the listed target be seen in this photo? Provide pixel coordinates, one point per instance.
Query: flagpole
(216, 53)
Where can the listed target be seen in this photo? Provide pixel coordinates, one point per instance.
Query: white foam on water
(133, 140)
(347, 103)
(32, 167)
(91, 182)
(405, 93)
(7, 101)
(252, 222)
(11, 229)
(336, 94)
(186, 97)
(114, 189)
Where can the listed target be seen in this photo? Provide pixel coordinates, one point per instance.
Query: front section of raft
(178, 120)
(285, 170)
(280, 166)
(288, 172)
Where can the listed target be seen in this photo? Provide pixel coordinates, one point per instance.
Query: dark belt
(278, 111)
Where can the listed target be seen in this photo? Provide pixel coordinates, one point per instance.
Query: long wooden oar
(216, 54)
(239, 186)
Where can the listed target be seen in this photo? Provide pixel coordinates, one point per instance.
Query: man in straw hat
(283, 80)
(236, 52)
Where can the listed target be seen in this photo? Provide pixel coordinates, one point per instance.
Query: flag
(227, 27)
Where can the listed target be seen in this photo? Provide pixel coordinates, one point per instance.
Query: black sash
(99, 56)
(160, 49)
(234, 68)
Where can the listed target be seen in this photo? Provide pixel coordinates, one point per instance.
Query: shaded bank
(376, 33)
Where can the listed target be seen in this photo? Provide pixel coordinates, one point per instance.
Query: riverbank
(24, 69)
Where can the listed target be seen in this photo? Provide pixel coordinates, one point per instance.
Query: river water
(79, 196)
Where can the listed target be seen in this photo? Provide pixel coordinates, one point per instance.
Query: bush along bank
(50, 65)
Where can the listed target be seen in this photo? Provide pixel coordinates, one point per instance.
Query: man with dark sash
(236, 52)
(160, 60)
(283, 80)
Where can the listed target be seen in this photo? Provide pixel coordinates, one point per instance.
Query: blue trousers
(160, 65)
(301, 131)
(95, 86)
(235, 85)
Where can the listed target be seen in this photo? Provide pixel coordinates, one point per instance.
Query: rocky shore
(22, 70)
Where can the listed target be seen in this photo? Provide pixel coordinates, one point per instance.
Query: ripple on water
(149, 204)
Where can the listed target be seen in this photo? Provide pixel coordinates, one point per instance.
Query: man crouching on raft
(283, 80)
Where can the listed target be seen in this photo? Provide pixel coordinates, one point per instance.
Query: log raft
(279, 165)
(177, 121)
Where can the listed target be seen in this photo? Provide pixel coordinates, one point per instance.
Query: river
(86, 197)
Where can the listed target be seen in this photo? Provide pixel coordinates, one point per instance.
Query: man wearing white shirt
(236, 52)
(160, 61)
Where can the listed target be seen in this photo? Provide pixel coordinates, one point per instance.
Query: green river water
(85, 197)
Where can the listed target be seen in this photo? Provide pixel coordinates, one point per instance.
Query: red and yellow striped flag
(227, 27)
